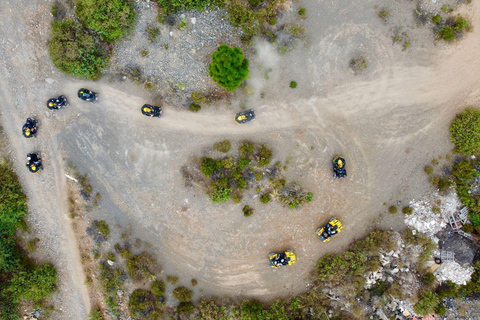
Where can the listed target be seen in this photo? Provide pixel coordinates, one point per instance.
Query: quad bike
(333, 227)
(151, 111)
(57, 103)
(279, 259)
(30, 128)
(244, 116)
(339, 170)
(34, 162)
(88, 95)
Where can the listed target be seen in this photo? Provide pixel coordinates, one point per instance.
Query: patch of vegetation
(194, 282)
(185, 307)
(247, 211)
(194, 107)
(222, 146)
(465, 132)
(21, 279)
(95, 314)
(384, 14)
(464, 173)
(173, 279)
(452, 28)
(140, 302)
(302, 12)
(246, 148)
(293, 84)
(393, 209)
(76, 52)
(182, 294)
(407, 210)
(141, 267)
(173, 6)
(158, 288)
(32, 245)
(426, 304)
(153, 32)
(228, 68)
(406, 44)
(112, 19)
(265, 198)
(264, 156)
(199, 98)
(296, 30)
(125, 253)
(359, 64)
(436, 18)
(428, 170)
(102, 227)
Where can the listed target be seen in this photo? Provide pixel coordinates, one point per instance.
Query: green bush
(463, 170)
(246, 148)
(265, 198)
(103, 228)
(264, 156)
(95, 314)
(428, 170)
(74, 51)
(247, 211)
(111, 18)
(258, 176)
(236, 198)
(436, 18)
(158, 288)
(255, 3)
(194, 107)
(125, 253)
(393, 209)
(182, 294)
(185, 307)
(468, 228)
(223, 146)
(140, 301)
(407, 210)
(34, 284)
(173, 279)
(293, 84)
(426, 304)
(302, 11)
(473, 286)
(384, 14)
(140, 267)
(241, 183)
(440, 309)
(243, 163)
(173, 6)
(229, 67)
(209, 166)
(446, 33)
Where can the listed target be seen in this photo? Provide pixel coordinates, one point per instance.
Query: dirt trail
(388, 124)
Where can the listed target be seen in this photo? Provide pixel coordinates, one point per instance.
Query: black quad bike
(57, 103)
(88, 95)
(30, 128)
(34, 162)
(339, 170)
(244, 116)
(151, 111)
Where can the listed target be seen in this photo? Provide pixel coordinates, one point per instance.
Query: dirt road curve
(388, 123)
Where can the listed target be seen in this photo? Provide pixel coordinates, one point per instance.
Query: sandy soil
(387, 122)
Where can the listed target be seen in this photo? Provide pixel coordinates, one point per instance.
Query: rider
(29, 128)
(34, 163)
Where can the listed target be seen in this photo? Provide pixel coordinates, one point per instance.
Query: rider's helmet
(33, 167)
(147, 109)
(28, 132)
(51, 104)
(340, 163)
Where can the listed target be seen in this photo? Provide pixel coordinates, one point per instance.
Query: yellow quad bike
(326, 232)
(279, 259)
(244, 116)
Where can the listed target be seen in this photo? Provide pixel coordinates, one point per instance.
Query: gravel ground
(176, 57)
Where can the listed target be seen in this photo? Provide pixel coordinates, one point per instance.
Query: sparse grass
(194, 282)
(436, 209)
(393, 209)
(296, 30)
(32, 245)
(223, 146)
(406, 44)
(103, 228)
(149, 86)
(199, 98)
(125, 253)
(144, 53)
(359, 64)
(95, 314)
(153, 33)
(384, 14)
(428, 170)
(173, 279)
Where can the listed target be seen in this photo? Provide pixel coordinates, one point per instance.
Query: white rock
(193, 20)
(110, 262)
(50, 80)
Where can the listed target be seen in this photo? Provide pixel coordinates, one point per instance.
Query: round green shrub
(293, 84)
(229, 67)
(393, 209)
(111, 18)
(185, 307)
(302, 11)
(194, 107)
(265, 198)
(247, 211)
(158, 288)
(407, 210)
(258, 176)
(182, 294)
(208, 166)
(140, 301)
(436, 18)
(75, 51)
(465, 132)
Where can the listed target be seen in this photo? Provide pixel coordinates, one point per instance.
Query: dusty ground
(387, 122)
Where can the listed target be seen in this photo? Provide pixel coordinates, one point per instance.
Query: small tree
(229, 67)
(465, 132)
